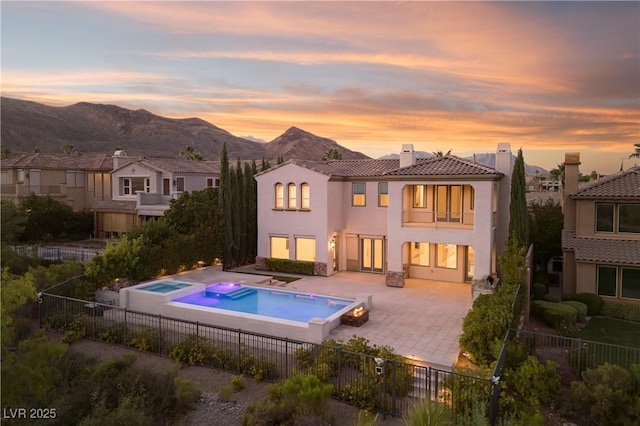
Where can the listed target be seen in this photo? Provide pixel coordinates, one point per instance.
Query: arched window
(292, 196)
(305, 199)
(279, 196)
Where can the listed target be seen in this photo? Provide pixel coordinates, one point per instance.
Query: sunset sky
(547, 77)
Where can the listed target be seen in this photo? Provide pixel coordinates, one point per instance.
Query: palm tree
(190, 153)
(332, 154)
(441, 154)
(68, 148)
(636, 154)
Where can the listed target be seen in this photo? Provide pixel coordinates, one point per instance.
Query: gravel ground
(211, 410)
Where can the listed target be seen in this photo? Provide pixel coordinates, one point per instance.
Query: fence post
(125, 327)
(239, 351)
(159, 333)
(493, 405)
(394, 363)
(286, 357)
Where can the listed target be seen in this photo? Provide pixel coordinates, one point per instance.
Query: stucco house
(79, 181)
(143, 187)
(601, 235)
(443, 218)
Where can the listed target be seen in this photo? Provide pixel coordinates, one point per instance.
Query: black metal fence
(387, 385)
(54, 253)
(578, 353)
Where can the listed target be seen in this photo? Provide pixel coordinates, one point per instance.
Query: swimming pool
(283, 304)
(164, 286)
(283, 313)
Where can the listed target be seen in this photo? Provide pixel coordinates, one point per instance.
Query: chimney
(504, 165)
(569, 186)
(120, 159)
(407, 155)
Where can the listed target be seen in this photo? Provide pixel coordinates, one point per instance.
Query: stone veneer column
(320, 268)
(261, 262)
(395, 279)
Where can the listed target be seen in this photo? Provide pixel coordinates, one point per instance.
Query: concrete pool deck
(421, 321)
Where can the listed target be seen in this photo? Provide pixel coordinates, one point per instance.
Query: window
(131, 185)
(607, 280)
(306, 249)
(305, 201)
(147, 185)
(358, 194)
(383, 194)
(449, 203)
(420, 196)
(447, 256)
(629, 218)
(280, 247)
(291, 191)
(180, 184)
(472, 197)
(622, 218)
(279, 196)
(420, 254)
(604, 217)
(631, 283)
(166, 186)
(209, 182)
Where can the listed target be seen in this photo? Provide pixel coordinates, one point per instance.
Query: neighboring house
(443, 218)
(79, 181)
(143, 187)
(601, 236)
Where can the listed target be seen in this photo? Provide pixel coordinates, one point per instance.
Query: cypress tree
(519, 214)
(225, 212)
(240, 232)
(251, 228)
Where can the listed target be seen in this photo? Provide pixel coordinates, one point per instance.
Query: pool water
(274, 303)
(164, 286)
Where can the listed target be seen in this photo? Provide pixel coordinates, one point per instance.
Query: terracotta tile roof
(624, 184)
(437, 166)
(602, 250)
(449, 165)
(181, 165)
(59, 162)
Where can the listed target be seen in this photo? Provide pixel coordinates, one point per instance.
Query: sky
(547, 77)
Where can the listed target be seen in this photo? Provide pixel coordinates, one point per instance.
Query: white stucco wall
(293, 223)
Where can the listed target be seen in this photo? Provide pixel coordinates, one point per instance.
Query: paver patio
(421, 321)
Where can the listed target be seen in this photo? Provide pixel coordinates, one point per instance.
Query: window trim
(279, 195)
(437, 265)
(292, 186)
(613, 219)
(616, 284)
(622, 269)
(381, 194)
(354, 193)
(305, 201)
(411, 251)
(180, 183)
(617, 217)
(424, 196)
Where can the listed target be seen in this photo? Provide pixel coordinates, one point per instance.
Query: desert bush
(426, 412)
(527, 387)
(621, 310)
(147, 339)
(114, 334)
(237, 383)
(484, 328)
(194, 350)
(578, 306)
(225, 393)
(593, 301)
(605, 395)
(297, 397)
(362, 392)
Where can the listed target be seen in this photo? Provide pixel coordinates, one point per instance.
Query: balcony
(422, 218)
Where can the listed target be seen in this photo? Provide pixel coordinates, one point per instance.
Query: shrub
(621, 310)
(303, 358)
(593, 301)
(225, 393)
(605, 396)
(550, 298)
(194, 350)
(258, 368)
(290, 266)
(114, 334)
(529, 386)
(554, 315)
(578, 306)
(426, 412)
(484, 328)
(147, 339)
(185, 393)
(237, 383)
(362, 392)
(539, 290)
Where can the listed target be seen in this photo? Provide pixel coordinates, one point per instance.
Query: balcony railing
(19, 189)
(426, 218)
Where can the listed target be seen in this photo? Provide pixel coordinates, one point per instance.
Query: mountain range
(27, 126)
(96, 128)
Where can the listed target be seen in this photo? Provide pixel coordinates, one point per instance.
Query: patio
(422, 321)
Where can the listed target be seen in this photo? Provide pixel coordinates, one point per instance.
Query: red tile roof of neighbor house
(100, 162)
(181, 165)
(624, 184)
(449, 165)
(602, 250)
